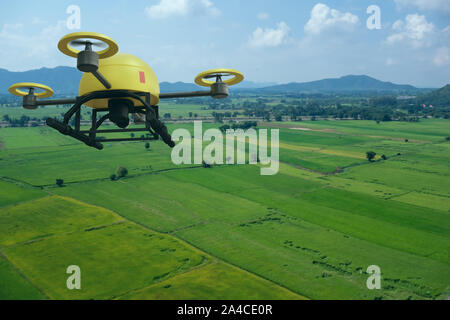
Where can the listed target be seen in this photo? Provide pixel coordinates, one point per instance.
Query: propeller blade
(85, 42)
(218, 75)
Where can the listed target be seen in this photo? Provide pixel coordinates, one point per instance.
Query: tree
(370, 155)
(383, 157)
(113, 177)
(406, 140)
(147, 146)
(447, 138)
(205, 164)
(224, 128)
(59, 182)
(122, 172)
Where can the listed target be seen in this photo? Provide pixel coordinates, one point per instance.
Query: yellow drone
(118, 84)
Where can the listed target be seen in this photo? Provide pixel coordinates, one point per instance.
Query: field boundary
(22, 275)
(196, 248)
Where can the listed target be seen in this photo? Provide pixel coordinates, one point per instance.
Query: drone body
(116, 84)
(125, 72)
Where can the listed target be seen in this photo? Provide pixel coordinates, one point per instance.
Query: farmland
(188, 232)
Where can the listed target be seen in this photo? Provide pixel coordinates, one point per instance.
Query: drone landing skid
(152, 124)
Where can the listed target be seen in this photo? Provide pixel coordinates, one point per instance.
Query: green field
(226, 232)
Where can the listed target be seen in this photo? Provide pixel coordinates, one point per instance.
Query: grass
(15, 287)
(42, 166)
(163, 204)
(11, 193)
(187, 232)
(426, 200)
(214, 281)
(318, 262)
(48, 216)
(113, 260)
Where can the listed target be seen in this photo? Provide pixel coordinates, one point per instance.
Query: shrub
(121, 172)
(383, 157)
(113, 177)
(206, 165)
(147, 145)
(59, 182)
(370, 155)
(224, 128)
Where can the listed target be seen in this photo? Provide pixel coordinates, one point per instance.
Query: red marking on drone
(141, 76)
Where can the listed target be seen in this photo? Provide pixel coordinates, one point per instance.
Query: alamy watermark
(374, 20)
(73, 22)
(374, 280)
(74, 280)
(233, 144)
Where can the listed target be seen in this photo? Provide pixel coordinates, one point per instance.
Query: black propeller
(218, 75)
(87, 43)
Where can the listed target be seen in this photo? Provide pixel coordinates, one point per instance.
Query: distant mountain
(183, 86)
(63, 80)
(346, 83)
(440, 97)
(179, 87)
(253, 85)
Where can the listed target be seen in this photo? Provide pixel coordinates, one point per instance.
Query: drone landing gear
(115, 113)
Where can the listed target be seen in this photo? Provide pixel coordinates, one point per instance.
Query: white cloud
(415, 31)
(18, 43)
(263, 15)
(431, 5)
(168, 8)
(442, 57)
(323, 17)
(270, 37)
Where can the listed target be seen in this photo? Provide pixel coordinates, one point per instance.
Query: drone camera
(118, 111)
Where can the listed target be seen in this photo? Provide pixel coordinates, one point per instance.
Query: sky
(404, 41)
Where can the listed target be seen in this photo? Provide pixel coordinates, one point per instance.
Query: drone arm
(30, 101)
(219, 90)
(102, 79)
(55, 102)
(172, 95)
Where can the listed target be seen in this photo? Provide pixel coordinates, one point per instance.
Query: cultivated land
(226, 232)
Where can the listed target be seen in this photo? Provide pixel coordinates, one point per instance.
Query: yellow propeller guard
(200, 79)
(14, 89)
(64, 44)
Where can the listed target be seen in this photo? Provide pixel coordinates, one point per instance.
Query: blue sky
(269, 41)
